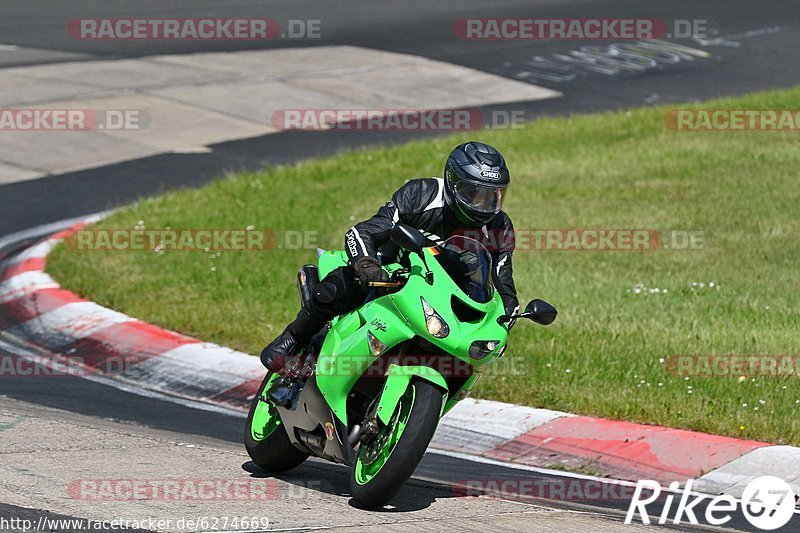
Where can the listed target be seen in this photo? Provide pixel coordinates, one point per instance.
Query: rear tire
(273, 452)
(374, 490)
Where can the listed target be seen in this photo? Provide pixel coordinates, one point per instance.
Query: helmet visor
(480, 198)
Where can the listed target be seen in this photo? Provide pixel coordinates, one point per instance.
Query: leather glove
(369, 269)
(510, 312)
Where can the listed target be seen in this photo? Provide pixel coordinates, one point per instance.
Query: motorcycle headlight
(375, 345)
(480, 349)
(435, 323)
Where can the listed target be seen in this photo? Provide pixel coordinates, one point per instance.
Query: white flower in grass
(213, 269)
(661, 360)
(568, 370)
(251, 227)
(660, 384)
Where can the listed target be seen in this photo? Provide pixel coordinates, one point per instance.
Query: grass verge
(604, 356)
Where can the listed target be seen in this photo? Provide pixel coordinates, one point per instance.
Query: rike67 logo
(768, 503)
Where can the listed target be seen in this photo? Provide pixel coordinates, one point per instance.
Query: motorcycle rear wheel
(265, 437)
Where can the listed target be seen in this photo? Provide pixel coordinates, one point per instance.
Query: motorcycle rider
(467, 199)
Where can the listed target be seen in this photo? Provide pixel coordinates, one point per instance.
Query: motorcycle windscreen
(469, 264)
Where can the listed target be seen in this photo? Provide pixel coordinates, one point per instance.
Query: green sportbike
(372, 386)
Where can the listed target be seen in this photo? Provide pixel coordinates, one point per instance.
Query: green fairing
(345, 354)
(398, 363)
(426, 375)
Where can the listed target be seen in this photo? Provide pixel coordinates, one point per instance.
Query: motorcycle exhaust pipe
(314, 441)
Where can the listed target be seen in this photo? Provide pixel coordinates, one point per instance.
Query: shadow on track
(335, 479)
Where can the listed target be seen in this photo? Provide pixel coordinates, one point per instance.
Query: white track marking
(69, 323)
(24, 284)
(198, 366)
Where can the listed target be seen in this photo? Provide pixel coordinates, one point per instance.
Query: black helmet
(475, 178)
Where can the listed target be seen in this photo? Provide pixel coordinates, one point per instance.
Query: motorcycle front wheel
(384, 464)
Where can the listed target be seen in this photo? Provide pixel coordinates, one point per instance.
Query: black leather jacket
(420, 203)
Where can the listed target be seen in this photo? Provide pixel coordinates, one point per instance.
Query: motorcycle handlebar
(386, 284)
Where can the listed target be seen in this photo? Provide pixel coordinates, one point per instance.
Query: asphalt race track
(751, 47)
(323, 486)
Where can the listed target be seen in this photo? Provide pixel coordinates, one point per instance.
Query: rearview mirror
(407, 237)
(540, 312)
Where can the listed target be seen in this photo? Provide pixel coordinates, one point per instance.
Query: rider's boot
(278, 356)
(295, 337)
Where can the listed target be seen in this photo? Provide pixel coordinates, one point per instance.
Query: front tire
(265, 436)
(381, 470)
